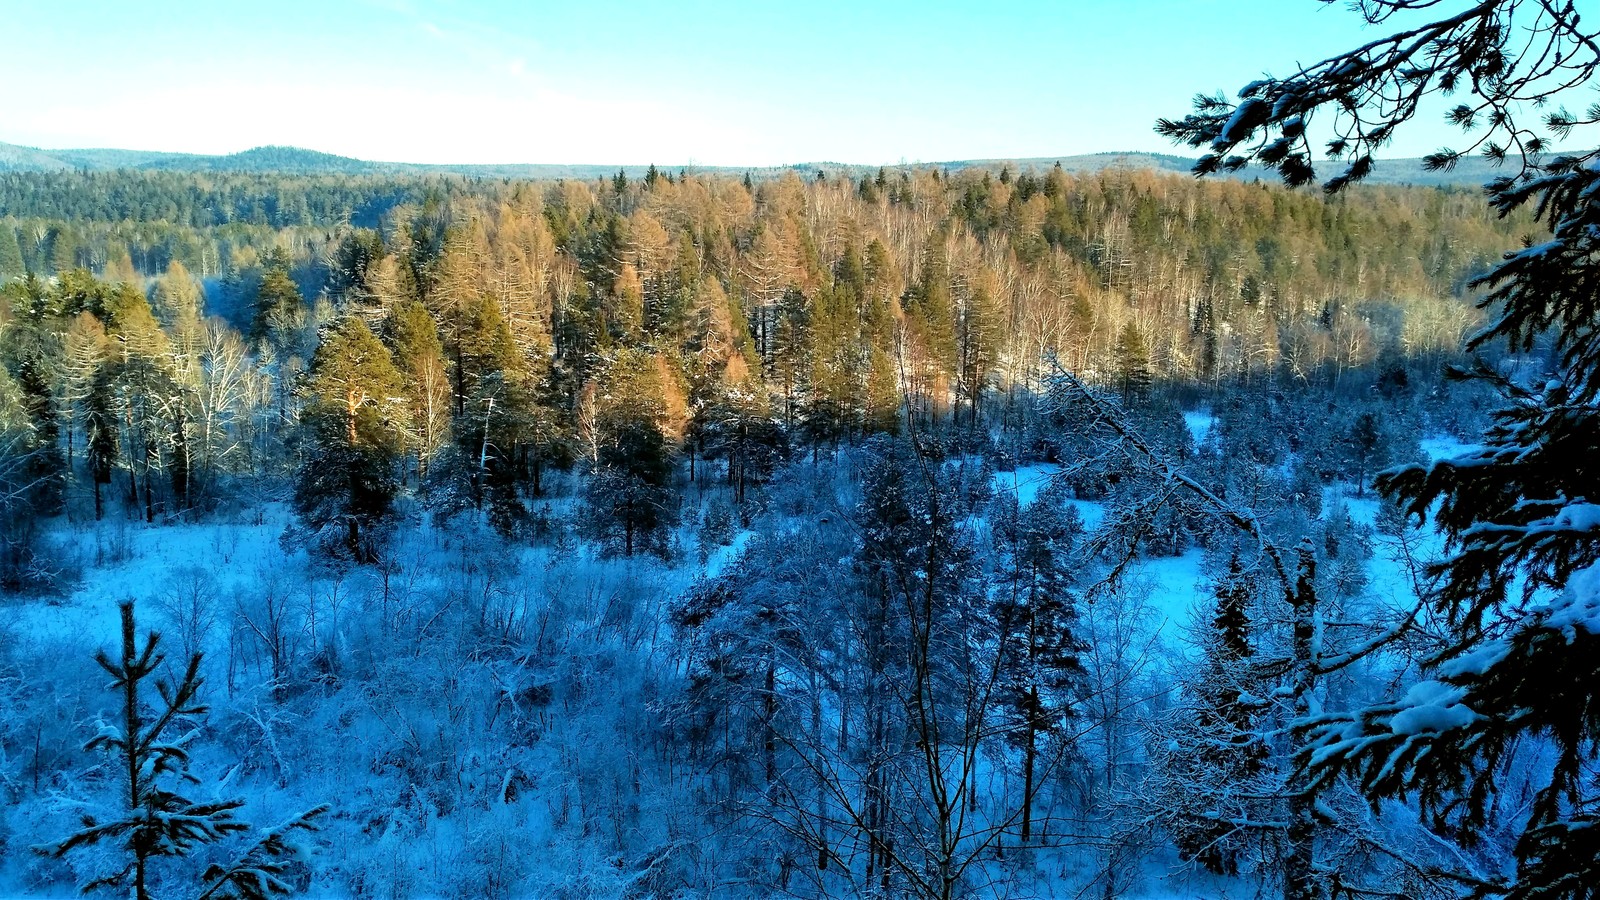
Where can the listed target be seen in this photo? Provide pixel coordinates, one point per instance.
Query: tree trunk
(1029, 751)
(131, 734)
(1299, 862)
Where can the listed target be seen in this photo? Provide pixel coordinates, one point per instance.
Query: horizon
(1176, 153)
(502, 85)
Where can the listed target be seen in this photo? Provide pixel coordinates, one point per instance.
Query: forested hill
(296, 160)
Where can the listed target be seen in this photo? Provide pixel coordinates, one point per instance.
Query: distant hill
(1471, 171)
(270, 159)
(28, 159)
(299, 161)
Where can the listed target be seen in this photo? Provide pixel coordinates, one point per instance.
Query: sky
(691, 82)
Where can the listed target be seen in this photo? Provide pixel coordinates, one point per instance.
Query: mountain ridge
(278, 159)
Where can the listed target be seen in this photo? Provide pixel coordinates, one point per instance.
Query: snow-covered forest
(919, 532)
(689, 536)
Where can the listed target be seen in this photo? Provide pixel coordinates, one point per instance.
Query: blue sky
(598, 81)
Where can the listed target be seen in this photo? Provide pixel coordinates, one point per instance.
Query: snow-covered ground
(1200, 422)
(1175, 586)
(602, 612)
(1027, 481)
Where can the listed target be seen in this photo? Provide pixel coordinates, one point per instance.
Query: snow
(1579, 517)
(1246, 116)
(1176, 585)
(1579, 606)
(1027, 481)
(127, 561)
(422, 709)
(1447, 447)
(717, 560)
(1487, 655)
(1432, 706)
(1201, 422)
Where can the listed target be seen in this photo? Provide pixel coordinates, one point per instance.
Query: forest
(916, 534)
(990, 530)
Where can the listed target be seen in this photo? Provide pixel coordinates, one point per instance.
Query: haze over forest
(14, 158)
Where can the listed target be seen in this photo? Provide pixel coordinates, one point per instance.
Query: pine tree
(64, 250)
(177, 300)
(883, 399)
(156, 821)
(11, 264)
(627, 310)
(628, 496)
(978, 342)
(279, 309)
(629, 499)
(101, 429)
(1366, 443)
(1133, 364)
(353, 264)
(742, 430)
(488, 428)
(146, 394)
(932, 307)
(26, 493)
(346, 486)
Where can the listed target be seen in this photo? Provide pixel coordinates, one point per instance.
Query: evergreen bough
(157, 820)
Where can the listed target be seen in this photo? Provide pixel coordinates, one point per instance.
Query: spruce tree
(1520, 663)
(1133, 364)
(489, 425)
(177, 300)
(1367, 448)
(279, 309)
(629, 497)
(1212, 785)
(154, 819)
(413, 335)
(1035, 612)
(27, 492)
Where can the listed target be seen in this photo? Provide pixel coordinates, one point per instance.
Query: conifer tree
(1366, 444)
(346, 486)
(488, 427)
(354, 262)
(65, 250)
(932, 307)
(627, 310)
(978, 342)
(279, 309)
(155, 820)
(146, 396)
(11, 264)
(1212, 784)
(742, 430)
(1035, 613)
(1133, 364)
(629, 500)
(27, 491)
(412, 334)
(1518, 514)
(177, 300)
